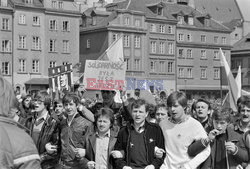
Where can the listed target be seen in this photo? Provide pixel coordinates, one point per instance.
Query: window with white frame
(170, 67)
(162, 66)
(88, 44)
(216, 73)
(3, 3)
(137, 41)
(60, 4)
(189, 72)
(203, 73)
(137, 64)
(53, 24)
(54, 4)
(5, 24)
(127, 21)
(180, 19)
(216, 39)
(22, 19)
(65, 25)
(224, 40)
(36, 45)
(126, 41)
(181, 53)
(153, 28)
(6, 46)
(189, 37)
(152, 66)
(153, 46)
(36, 20)
(170, 29)
(52, 64)
(137, 23)
(35, 66)
(181, 72)
(115, 37)
(162, 47)
(162, 28)
(52, 45)
(22, 42)
(65, 63)
(189, 53)
(190, 20)
(203, 38)
(170, 48)
(126, 60)
(22, 65)
(65, 46)
(5, 68)
(203, 54)
(181, 37)
(216, 54)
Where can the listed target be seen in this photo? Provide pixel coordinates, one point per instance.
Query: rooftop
(243, 44)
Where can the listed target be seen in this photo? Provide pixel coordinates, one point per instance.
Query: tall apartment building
(148, 39)
(45, 34)
(6, 39)
(199, 39)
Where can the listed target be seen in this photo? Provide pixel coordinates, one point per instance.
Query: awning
(201, 87)
(37, 81)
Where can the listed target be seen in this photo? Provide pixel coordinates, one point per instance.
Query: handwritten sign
(104, 75)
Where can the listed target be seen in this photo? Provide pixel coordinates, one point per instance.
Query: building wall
(5, 56)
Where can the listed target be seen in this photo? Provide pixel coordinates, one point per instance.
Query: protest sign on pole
(104, 75)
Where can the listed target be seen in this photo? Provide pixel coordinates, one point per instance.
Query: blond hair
(7, 98)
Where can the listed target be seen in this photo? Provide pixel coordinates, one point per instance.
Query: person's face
(107, 96)
(59, 108)
(139, 114)
(27, 102)
(70, 108)
(103, 124)
(202, 110)
(137, 93)
(160, 114)
(245, 112)
(220, 125)
(39, 105)
(177, 111)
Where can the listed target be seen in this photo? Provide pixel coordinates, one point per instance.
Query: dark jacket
(153, 137)
(17, 149)
(73, 137)
(234, 160)
(90, 146)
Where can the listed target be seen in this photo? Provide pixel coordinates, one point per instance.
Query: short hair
(57, 101)
(7, 98)
(204, 101)
(45, 97)
(222, 114)
(67, 98)
(178, 96)
(107, 112)
(158, 106)
(138, 103)
(243, 101)
(151, 110)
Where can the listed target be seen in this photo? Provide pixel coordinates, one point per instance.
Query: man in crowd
(138, 140)
(17, 150)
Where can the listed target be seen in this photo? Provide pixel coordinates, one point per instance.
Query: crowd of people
(71, 133)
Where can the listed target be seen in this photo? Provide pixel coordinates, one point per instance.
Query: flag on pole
(114, 52)
(232, 85)
(238, 82)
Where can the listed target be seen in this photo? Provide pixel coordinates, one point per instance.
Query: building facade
(45, 34)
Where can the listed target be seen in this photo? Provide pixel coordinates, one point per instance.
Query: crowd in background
(73, 132)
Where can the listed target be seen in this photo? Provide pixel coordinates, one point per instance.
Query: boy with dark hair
(138, 141)
(227, 147)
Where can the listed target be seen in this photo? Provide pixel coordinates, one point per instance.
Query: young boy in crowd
(227, 147)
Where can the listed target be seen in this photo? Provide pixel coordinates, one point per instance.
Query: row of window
(161, 28)
(160, 66)
(137, 22)
(203, 38)
(161, 48)
(203, 54)
(189, 73)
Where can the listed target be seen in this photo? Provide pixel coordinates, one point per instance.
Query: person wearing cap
(17, 149)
